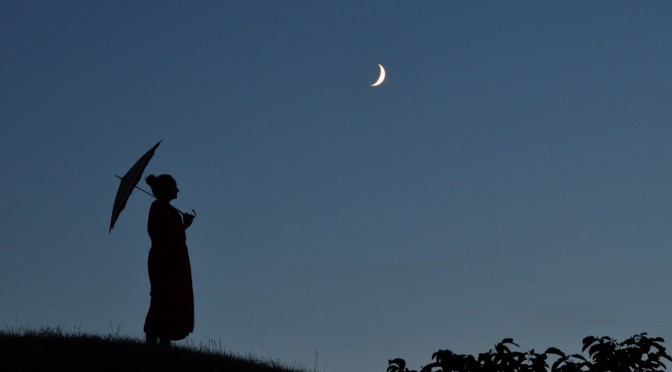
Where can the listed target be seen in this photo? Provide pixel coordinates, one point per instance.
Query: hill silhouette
(55, 350)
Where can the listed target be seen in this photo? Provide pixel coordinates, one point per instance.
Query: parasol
(130, 181)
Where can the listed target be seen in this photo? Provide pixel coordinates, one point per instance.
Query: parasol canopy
(130, 181)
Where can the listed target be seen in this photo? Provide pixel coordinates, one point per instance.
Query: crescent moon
(381, 78)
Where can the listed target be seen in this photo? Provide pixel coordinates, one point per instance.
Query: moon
(381, 78)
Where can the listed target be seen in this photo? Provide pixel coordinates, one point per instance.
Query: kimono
(171, 309)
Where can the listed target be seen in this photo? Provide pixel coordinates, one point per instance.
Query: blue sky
(510, 178)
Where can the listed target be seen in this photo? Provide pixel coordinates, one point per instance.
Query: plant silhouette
(638, 353)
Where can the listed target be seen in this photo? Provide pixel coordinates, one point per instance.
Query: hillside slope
(50, 350)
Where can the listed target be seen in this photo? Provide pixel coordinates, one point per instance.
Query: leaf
(509, 341)
(558, 363)
(555, 351)
(630, 341)
(587, 341)
(579, 356)
(396, 365)
(595, 349)
(442, 355)
(501, 349)
(658, 346)
(430, 367)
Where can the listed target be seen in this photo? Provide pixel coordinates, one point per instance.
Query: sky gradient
(511, 177)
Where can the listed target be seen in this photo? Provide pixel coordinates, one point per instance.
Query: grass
(55, 350)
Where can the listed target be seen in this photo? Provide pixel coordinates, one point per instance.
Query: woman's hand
(188, 219)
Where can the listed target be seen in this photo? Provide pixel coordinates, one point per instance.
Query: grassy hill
(54, 350)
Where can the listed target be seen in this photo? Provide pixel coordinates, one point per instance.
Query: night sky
(510, 178)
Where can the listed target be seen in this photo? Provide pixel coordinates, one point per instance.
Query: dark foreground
(50, 350)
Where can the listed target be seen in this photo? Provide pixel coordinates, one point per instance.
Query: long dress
(171, 309)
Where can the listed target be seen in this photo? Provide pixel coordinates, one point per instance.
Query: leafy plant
(637, 354)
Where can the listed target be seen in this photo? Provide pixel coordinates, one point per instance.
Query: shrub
(638, 354)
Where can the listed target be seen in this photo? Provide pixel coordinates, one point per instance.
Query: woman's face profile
(171, 189)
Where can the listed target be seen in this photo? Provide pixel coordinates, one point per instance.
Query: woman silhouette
(171, 310)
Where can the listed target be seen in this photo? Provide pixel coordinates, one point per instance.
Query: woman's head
(163, 187)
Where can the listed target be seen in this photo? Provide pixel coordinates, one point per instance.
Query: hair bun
(151, 180)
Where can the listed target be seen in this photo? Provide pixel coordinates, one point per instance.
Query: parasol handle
(154, 196)
(141, 189)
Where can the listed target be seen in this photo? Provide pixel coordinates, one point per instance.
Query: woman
(171, 310)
